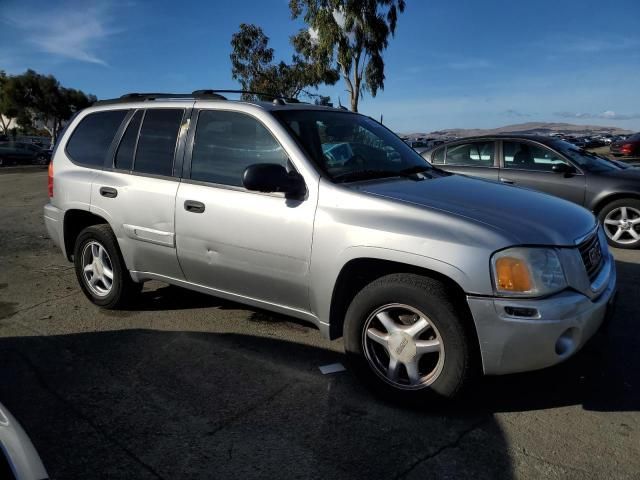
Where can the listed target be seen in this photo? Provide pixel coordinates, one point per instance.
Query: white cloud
(72, 31)
(608, 115)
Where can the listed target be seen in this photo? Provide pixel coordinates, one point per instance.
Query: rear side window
(157, 141)
(91, 139)
(478, 154)
(228, 142)
(127, 148)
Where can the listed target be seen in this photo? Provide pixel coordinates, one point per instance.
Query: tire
(405, 298)
(96, 253)
(42, 160)
(621, 222)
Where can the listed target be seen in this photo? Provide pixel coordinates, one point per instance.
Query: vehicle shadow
(172, 404)
(158, 404)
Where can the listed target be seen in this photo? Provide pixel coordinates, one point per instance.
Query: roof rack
(196, 94)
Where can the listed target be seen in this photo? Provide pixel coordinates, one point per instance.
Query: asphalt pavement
(185, 385)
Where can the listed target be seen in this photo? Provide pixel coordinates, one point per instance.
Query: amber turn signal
(512, 274)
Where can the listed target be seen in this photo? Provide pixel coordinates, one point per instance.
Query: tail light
(50, 180)
(626, 148)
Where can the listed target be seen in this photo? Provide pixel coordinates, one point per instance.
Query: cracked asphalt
(189, 386)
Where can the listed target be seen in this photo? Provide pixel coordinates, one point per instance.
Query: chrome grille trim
(587, 246)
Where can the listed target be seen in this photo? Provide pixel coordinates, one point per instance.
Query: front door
(530, 165)
(245, 243)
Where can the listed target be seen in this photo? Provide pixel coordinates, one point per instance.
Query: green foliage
(38, 101)
(252, 65)
(350, 33)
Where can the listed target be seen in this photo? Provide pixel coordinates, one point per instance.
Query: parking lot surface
(185, 385)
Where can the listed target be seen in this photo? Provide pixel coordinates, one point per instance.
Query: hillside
(541, 128)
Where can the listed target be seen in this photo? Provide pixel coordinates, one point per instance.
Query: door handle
(108, 192)
(193, 206)
(507, 181)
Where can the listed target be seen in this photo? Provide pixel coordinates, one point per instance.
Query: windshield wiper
(411, 171)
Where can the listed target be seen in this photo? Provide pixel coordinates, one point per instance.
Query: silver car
(431, 278)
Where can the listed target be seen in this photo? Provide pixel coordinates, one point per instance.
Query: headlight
(527, 272)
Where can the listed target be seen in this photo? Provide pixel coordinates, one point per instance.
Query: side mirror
(562, 168)
(271, 177)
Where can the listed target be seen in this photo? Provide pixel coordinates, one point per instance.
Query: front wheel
(100, 268)
(405, 338)
(621, 222)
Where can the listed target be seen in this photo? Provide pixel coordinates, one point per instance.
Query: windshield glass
(587, 160)
(350, 147)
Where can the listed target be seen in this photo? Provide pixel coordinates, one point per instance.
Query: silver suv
(327, 216)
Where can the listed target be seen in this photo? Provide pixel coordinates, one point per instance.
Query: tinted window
(91, 139)
(228, 142)
(438, 156)
(478, 154)
(157, 141)
(126, 150)
(526, 156)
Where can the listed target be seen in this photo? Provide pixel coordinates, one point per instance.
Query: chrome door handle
(507, 181)
(193, 206)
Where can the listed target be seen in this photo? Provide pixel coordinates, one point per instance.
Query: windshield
(350, 147)
(586, 160)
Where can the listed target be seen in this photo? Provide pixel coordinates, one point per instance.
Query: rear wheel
(100, 268)
(621, 222)
(406, 340)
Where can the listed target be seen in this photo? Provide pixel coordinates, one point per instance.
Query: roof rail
(251, 92)
(148, 96)
(196, 94)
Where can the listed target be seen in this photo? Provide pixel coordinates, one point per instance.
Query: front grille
(591, 253)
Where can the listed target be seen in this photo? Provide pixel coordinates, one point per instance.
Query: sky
(452, 64)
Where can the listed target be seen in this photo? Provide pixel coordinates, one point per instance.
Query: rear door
(530, 164)
(476, 159)
(137, 189)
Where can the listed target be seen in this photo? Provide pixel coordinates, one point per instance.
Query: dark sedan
(608, 188)
(629, 147)
(21, 153)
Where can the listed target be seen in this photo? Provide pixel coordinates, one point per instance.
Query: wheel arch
(602, 202)
(76, 220)
(359, 272)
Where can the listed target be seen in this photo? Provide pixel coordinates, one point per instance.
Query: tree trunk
(355, 93)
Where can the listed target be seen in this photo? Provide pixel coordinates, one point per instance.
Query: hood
(524, 216)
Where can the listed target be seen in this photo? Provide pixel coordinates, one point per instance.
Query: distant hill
(538, 128)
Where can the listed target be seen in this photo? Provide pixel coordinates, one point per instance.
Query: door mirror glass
(272, 177)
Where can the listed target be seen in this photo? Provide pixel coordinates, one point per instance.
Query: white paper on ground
(332, 368)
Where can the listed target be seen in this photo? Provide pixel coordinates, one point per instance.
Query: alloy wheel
(97, 269)
(622, 225)
(403, 346)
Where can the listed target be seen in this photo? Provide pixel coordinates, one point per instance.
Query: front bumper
(562, 325)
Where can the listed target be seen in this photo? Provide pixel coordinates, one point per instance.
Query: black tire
(123, 289)
(610, 213)
(461, 362)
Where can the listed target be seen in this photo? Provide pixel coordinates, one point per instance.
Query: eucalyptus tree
(351, 34)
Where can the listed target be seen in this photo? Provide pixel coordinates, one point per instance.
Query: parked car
(629, 147)
(610, 190)
(21, 153)
(430, 277)
(19, 459)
